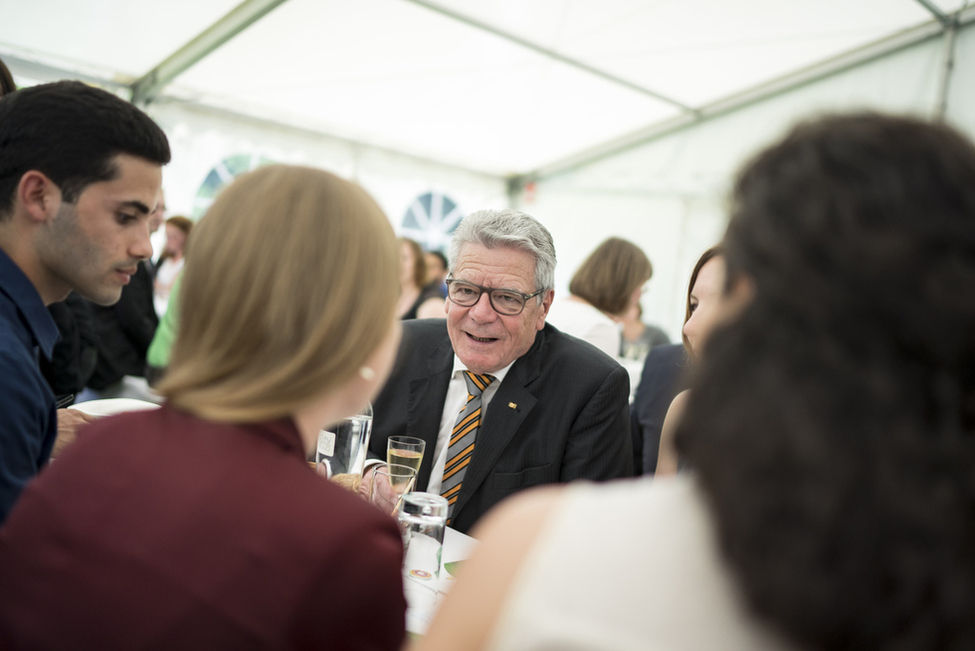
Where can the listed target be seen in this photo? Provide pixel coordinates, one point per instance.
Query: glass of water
(341, 451)
(422, 520)
(390, 482)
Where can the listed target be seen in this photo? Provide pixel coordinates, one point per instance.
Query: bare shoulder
(678, 404)
(524, 511)
(667, 454)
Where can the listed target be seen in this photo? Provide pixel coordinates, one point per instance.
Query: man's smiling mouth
(485, 340)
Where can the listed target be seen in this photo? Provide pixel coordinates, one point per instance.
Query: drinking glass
(341, 451)
(405, 450)
(422, 519)
(390, 481)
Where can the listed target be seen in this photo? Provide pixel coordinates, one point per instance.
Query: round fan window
(430, 220)
(221, 175)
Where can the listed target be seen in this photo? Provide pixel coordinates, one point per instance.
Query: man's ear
(38, 196)
(547, 299)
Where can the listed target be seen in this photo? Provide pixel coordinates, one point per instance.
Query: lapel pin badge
(513, 405)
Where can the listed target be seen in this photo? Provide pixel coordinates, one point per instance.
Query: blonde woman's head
(289, 287)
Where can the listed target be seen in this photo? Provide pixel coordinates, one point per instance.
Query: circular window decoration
(221, 175)
(430, 220)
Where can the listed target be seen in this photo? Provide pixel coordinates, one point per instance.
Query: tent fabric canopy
(504, 87)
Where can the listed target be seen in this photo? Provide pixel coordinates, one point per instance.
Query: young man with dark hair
(80, 171)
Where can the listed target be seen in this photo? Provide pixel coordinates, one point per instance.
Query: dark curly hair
(72, 133)
(831, 424)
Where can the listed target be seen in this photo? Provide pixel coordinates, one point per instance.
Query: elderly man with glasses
(503, 400)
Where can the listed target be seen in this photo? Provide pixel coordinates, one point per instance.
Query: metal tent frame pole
(556, 56)
(758, 93)
(147, 87)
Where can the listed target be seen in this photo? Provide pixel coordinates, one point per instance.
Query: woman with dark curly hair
(834, 430)
(831, 429)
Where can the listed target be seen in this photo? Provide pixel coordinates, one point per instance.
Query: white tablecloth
(423, 604)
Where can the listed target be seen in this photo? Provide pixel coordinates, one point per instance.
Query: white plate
(111, 406)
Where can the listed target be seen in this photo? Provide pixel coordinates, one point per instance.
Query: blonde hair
(610, 275)
(290, 286)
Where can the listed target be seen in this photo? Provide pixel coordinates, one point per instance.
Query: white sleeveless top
(584, 321)
(631, 564)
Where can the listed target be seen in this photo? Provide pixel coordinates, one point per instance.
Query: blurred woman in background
(607, 285)
(417, 298)
(704, 295)
(171, 261)
(200, 524)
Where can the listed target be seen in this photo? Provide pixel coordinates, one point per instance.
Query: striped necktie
(461, 447)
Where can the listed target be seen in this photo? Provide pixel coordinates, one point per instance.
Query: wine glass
(405, 450)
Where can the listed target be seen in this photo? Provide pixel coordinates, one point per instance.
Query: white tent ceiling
(502, 86)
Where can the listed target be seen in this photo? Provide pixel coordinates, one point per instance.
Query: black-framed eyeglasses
(504, 301)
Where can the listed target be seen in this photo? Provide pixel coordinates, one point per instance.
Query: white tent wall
(669, 194)
(201, 138)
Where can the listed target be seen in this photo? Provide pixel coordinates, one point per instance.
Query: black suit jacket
(662, 379)
(124, 331)
(560, 414)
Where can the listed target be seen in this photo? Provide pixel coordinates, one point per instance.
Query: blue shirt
(28, 418)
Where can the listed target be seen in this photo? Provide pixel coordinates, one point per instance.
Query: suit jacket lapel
(502, 421)
(427, 392)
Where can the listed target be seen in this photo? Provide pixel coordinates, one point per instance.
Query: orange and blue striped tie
(461, 447)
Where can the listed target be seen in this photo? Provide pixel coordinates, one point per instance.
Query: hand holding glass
(390, 482)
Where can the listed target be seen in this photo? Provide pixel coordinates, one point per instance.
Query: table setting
(433, 552)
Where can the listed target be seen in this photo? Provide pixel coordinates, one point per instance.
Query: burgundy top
(160, 530)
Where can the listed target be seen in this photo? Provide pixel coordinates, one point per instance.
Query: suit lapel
(427, 392)
(502, 421)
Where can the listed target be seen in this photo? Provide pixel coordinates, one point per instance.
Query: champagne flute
(405, 450)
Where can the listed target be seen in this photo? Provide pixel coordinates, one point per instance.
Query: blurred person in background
(417, 298)
(208, 528)
(639, 338)
(161, 346)
(703, 313)
(831, 427)
(171, 261)
(156, 220)
(7, 84)
(437, 270)
(603, 289)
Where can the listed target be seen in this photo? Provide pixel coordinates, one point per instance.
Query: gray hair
(508, 228)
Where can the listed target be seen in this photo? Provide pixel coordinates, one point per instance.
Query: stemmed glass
(405, 450)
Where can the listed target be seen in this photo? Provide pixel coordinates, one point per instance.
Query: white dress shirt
(455, 402)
